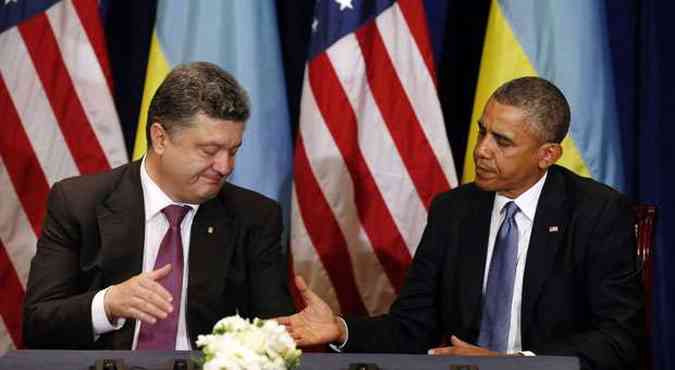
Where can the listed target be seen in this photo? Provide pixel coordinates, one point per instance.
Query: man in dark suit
(154, 253)
(530, 259)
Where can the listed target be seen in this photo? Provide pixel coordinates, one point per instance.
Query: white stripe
(6, 343)
(16, 231)
(34, 109)
(88, 79)
(336, 184)
(306, 261)
(378, 147)
(418, 84)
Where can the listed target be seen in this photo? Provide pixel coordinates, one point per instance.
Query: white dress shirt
(156, 225)
(527, 205)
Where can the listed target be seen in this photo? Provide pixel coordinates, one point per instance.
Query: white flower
(236, 344)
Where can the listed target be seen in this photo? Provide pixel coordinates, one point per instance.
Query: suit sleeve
(614, 294)
(56, 313)
(270, 296)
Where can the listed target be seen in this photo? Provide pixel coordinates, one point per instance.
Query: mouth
(214, 180)
(483, 171)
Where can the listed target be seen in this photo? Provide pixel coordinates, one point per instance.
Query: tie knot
(175, 214)
(510, 210)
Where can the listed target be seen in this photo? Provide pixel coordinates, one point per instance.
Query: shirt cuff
(99, 319)
(526, 353)
(339, 347)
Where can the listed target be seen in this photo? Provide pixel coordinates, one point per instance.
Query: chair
(645, 218)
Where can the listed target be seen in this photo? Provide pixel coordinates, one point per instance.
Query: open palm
(316, 323)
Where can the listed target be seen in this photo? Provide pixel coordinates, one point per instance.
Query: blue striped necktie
(496, 315)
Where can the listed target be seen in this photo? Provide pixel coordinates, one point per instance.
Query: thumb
(458, 342)
(160, 272)
(307, 294)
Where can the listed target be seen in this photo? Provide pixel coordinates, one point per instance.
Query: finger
(300, 283)
(459, 343)
(157, 289)
(308, 295)
(160, 273)
(285, 320)
(441, 351)
(149, 308)
(140, 315)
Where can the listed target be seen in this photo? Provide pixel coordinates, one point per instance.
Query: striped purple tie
(162, 335)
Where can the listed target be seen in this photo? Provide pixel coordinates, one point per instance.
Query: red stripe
(374, 215)
(12, 298)
(22, 165)
(58, 86)
(399, 116)
(415, 16)
(325, 233)
(87, 11)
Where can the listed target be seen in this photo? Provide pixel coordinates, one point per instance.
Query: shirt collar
(527, 201)
(155, 200)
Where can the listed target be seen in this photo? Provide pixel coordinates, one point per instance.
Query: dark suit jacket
(93, 237)
(582, 294)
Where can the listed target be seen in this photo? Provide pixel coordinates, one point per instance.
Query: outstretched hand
(142, 297)
(316, 323)
(459, 347)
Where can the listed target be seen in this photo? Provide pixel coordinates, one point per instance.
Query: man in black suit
(572, 286)
(97, 279)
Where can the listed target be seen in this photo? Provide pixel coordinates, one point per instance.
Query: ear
(159, 137)
(549, 153)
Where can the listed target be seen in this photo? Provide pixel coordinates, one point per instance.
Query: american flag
(371, 151)
(57, 120)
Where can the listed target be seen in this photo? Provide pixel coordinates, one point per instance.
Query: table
(81, 360)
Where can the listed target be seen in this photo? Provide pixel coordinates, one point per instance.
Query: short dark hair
(545, 105)
(194, 88)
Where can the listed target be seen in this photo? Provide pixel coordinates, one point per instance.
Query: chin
(485, 185)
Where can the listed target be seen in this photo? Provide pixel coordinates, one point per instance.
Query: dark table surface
(82, 360)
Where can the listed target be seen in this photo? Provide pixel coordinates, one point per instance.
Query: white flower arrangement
(238, 344)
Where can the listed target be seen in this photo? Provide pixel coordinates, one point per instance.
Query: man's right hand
(316, 324)
(140, 297)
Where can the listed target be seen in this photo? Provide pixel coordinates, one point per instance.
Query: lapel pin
(553, 229)
(210, 230)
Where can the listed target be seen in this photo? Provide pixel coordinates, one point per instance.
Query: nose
(482, 148)
(223, 163)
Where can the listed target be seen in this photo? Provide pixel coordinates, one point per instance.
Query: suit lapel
(548, 230)
(121, 222)
(473, 250)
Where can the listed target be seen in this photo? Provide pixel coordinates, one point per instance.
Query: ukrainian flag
(242, 38)
(564, 41)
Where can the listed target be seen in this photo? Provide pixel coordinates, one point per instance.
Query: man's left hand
(459, 347)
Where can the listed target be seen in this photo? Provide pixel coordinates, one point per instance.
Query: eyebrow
(498, 135)
(218, 145)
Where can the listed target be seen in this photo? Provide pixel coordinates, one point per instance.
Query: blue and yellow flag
(242, 38)
(566, 43)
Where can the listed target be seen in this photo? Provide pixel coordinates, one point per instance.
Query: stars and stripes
(59, 120)
(371, 151)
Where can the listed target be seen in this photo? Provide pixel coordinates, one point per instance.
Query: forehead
(206, 129)
(505, 119)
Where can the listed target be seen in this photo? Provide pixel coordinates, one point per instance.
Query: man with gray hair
(530, 259)
(154, 253)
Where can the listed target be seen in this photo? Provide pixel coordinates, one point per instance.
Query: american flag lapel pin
(553, 229)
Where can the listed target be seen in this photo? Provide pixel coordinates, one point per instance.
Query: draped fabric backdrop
(57, 120)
